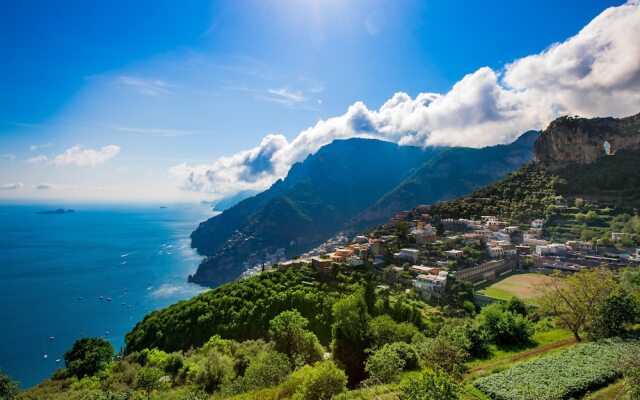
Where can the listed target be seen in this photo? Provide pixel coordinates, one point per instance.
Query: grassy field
(520, 285)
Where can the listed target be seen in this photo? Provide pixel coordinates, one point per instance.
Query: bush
(149, 379)
(87, 356)
(8, 387)
(384, 365)
(407, 353)
(504, 326)
(267, 369)
(384, 330)
(443, 353)
(325, 382)
(216, 369)
(433, 385)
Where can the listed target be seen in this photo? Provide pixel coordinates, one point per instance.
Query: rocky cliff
(573, 140)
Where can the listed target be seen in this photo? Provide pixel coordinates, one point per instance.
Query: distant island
(58, 211)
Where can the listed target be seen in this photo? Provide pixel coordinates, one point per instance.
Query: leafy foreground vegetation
(558, 376)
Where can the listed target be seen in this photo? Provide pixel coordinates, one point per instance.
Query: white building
(427, 284)
(496, 252)
(454, 253)
(412, 255)
(553, 249)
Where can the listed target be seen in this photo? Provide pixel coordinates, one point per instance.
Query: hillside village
(429, 252)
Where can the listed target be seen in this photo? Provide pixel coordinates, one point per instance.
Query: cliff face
(569, 141)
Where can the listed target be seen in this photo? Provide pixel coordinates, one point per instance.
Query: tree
(216, 370)
(503, 326)
(350, 335)
(88, 356)
(149, 379)
(443, 353)
(402, 230)
(407, 353)
(288, 333)
(433, 385)
(610, 317)
(571, 301)
(384, 365)
(8, 387)
(326, 381)
(267, 369)
(384, 330)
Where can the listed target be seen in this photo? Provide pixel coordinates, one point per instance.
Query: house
(578, 245)
(378, 248)
(454, 225)
(510, 229)
(522, 249)
(486, 271)
(495, 225)
(495, 252)
(321, 264)
(424, 233)
(412, 255)
(421, 269)
(537, 223)
(473, 238)
(399, 217)
(354, 261)
(361, 239)
(454, 253)
(552, 249)
(427, 285)
(527, 240)
(616, 236)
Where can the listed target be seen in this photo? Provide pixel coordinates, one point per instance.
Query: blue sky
(137, 100)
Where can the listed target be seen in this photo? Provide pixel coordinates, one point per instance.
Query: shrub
(267, 369)
(8, 387)
(384, 330)
(503, 326)
(433, 385)
(407, 353)
(213, 371)
(87, 356)
(442, 352)
(326, 381)
(384, 365)
(149, 379)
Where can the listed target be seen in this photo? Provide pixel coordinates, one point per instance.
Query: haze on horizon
(161, 101)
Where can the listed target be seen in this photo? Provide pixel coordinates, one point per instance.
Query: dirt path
(522, 356)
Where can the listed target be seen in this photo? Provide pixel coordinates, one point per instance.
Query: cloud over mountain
(594, 73)
(86, 157)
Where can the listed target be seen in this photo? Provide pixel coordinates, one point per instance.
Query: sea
(95, 272)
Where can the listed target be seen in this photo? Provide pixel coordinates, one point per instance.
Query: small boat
(101, 297)
(108, 298)
(126, 289)
(80, 297)
(52, 337)
(57, 360)
(106, 333)
(45, 356)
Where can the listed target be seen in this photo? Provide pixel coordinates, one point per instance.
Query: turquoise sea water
(55, 268)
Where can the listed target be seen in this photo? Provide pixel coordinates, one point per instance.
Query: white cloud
(285, 96)
(11, 186)
(44, 186)
(87, 157)
(36, 147)
(36, 159)
(594, 73)
(147, 87)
